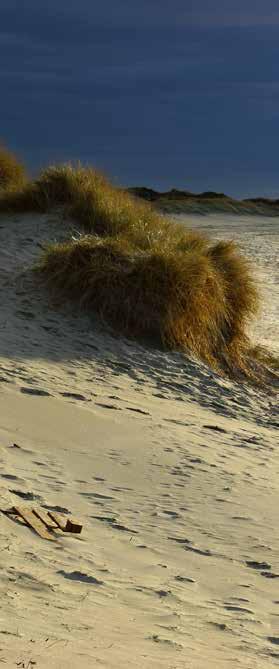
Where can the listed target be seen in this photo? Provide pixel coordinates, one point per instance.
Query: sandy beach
(171, 468)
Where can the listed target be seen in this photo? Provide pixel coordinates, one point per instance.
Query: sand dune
(172, 469)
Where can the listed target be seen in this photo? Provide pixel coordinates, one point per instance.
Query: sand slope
(173, 471)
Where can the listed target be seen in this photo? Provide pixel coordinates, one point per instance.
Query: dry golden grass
(141, 272)
(182, 297)
(241, 295)
(12, 172)
(86, 196)
(54, 187)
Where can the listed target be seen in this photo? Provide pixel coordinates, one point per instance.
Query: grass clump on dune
(55, 187)
(141, 272)
(184, 298)
(87, 197)
(12, 172)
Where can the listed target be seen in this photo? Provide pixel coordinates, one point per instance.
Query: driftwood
(47, 524)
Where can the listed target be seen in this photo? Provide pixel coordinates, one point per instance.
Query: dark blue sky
(163, 93)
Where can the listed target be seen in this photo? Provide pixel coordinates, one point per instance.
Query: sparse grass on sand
(142, 273)
(12, 172)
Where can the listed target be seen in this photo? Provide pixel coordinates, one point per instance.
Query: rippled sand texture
(173, 471)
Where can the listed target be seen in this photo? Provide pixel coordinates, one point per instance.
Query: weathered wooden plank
(59, 520)
(10, 511)
(34, 522)
(66, 524)
(45, 518)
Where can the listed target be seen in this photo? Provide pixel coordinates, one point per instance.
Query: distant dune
(186, 202)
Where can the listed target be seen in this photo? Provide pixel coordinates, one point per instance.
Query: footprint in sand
(217, 428)
(26, 495)
(253, 564)
(172, 514)
(168, 642)
(76, 396)
(79, 576)
(35, 391)
(123, 528)
(59, 509)
(96, 495)
(108, 406)
(198, 551)
(184, 579)
(10, 477)
(237, 609)
(145, 413)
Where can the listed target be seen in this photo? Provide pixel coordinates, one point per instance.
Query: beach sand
(172, 470)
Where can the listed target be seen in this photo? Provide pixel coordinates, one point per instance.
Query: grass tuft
(241, 295)
(12, 172)
(181, 297)
(86, 196)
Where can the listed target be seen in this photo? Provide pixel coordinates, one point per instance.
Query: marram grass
(88, 198)
(142, 273)
(184, 298)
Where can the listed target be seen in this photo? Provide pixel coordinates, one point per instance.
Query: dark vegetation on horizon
(142, 273)
(185, 202)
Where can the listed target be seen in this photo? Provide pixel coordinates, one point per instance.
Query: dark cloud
(240, 13)
(160, 93)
